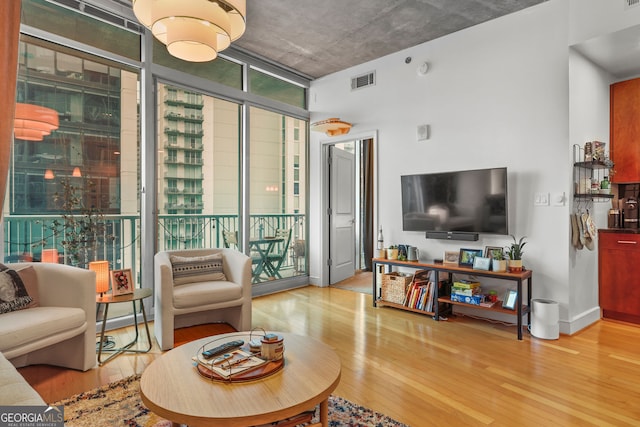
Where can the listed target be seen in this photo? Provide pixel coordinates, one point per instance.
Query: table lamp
(102, 275)
(50, 255)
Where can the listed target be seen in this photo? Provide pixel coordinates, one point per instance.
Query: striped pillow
(196, 269)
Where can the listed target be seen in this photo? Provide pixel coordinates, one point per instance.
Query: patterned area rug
(119, 404)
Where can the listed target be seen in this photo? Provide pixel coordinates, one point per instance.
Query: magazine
(232, 363)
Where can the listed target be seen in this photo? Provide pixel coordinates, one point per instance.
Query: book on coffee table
(231, 364)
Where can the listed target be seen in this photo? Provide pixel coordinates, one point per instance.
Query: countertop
(619, 230)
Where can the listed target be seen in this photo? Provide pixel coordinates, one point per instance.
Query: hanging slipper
(586, 232)
(593, 231)
(580, 244)
(575, 237)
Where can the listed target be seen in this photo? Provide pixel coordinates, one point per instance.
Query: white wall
(497, 94)
(589, 121)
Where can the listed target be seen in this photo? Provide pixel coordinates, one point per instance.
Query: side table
(137, 295)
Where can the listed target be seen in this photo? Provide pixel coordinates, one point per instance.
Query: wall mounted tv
(456, 205)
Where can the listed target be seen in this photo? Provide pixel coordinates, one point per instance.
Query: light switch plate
(541, 199)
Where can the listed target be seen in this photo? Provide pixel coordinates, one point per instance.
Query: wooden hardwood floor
(460, 372)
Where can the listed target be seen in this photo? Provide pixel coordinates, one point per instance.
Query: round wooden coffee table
(172, 388)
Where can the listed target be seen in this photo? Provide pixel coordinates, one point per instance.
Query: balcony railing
(25, 236)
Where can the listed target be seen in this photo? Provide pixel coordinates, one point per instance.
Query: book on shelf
(464, 291)
(233, 363)
(466, 284)
(419, 278)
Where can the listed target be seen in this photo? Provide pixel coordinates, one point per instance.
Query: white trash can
(545, 315)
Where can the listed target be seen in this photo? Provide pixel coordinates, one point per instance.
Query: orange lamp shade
(102, 275)
(331, 127)
(34, 122)
(50, 255)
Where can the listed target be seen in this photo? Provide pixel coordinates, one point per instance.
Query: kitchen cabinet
(619, 275)
(624, 149)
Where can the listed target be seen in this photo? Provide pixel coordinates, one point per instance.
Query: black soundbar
(452, 235)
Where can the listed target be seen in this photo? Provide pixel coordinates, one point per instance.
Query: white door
(342, 215)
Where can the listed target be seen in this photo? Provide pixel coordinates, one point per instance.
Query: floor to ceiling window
(66, 202)
(85, 65)
(277, 197)
(197, 170)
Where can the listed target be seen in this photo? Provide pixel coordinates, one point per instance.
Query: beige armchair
(198, 302)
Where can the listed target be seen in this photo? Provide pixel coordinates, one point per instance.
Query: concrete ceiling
(317, 38)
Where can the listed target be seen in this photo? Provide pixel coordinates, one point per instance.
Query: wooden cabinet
(619, 276)
(624, 149)
(522, 304)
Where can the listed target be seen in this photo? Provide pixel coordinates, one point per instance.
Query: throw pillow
(13, 293)
(196, 269)
(30, 280)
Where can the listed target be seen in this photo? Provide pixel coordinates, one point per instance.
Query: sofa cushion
(14, 389)
(201, 293)
(26, 326)
(13, 293)
(196, 269)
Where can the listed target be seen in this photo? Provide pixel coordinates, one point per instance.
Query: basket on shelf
(394, 287)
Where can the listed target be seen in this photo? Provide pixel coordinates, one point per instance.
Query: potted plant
(392, 252)
(514, 253)
(83, 229)
(499, 264)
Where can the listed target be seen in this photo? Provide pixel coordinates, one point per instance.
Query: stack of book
(466, 291)
(420, 293)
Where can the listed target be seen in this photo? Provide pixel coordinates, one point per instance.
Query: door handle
(627, 242)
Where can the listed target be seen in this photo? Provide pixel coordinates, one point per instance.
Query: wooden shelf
(383, 303)
(522, 304)
(497, 308)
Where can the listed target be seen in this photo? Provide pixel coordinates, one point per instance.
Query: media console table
(520, 310)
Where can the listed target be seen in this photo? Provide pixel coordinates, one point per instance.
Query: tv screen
(473, 201)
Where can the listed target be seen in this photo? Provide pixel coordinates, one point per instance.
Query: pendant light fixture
(193, 30)
(331, 127)
(34, 122)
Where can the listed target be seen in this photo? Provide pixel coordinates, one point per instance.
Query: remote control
(222, 348)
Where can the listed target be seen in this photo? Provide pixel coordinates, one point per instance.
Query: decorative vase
(499, 265)
(382, 253)
(392, 253)
(515, 265)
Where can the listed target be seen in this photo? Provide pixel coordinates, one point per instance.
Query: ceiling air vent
(365, 80)
(631, 3)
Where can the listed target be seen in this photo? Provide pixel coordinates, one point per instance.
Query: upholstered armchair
(189, 291)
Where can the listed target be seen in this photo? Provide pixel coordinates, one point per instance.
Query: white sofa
(200, 302)
(61, 331)
(14, 389)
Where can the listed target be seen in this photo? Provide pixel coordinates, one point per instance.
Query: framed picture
(492, 251)
(467, 256)
(451, 257)
(510, 299)
(481, 263)
(121, 282)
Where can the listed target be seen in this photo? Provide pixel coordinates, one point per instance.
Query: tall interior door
(342, 216)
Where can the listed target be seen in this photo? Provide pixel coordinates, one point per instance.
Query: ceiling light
(76, 172)
(331, 127)
(48, 174)
(193, 30)
(33, 122)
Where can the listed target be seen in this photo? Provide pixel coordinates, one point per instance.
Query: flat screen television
(469, 201)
